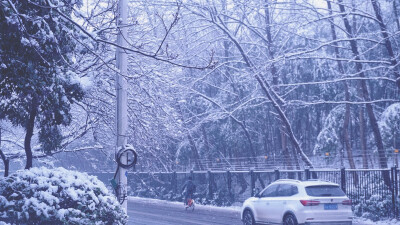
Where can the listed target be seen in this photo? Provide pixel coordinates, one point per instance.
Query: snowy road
(143, 211)
(154, 212)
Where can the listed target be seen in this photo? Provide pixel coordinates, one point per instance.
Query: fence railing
(363, 186)
(270, 162)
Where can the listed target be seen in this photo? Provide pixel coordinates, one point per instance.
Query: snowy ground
(368, 222)
(143, 211)
(160, 212)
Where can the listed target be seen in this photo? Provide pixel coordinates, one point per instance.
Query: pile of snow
(364, 221)
(57, 196)
(166, 203)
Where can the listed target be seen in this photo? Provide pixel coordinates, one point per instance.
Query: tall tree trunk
(361, 114)
(195, 152)
(396, 14)
(386, 39)
(29, 132)
(363, 127)
(363, 136)
(346, 135)
(6, 163)
(365, 94)
(4, 158)
(246, 132)
(207, 145)
(275, 99)
(286, 156)
(287, 159)
(242, 123)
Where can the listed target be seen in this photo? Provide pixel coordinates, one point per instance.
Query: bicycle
(190, 204)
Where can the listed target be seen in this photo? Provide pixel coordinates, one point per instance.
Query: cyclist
(188, 189)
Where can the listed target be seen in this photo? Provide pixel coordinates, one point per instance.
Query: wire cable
(118, 188)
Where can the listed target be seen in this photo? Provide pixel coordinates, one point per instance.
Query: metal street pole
(122, 119)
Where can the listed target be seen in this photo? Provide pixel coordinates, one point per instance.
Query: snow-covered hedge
(57, 196)
(375, 208)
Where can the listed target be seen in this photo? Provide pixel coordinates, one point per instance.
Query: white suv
(294, 202)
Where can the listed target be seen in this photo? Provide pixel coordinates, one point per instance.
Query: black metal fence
(367, 188)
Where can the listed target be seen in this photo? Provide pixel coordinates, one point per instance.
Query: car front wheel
(290, 219)
(248, 218)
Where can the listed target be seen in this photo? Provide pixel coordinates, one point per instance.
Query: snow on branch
(337, 80)
(305, 103)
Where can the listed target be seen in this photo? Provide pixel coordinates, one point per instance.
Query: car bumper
(313, 217)
(330, 223)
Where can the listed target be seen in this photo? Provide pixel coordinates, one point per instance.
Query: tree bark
(396, 14)
(346, 135)
(365, 94)
(195, 153)
(4, 158)
(275, 99)
(207, 145)
(287, 159)
(388, 43)
(6, 163)
(363, 138)
(286, 156)
(29, 132)
(361, 113)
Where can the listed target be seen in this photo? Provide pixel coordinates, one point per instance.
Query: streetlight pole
(121, 117)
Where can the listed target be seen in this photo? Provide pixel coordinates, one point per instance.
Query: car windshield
(324, 190)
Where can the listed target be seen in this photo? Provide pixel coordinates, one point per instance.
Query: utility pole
(122, 119)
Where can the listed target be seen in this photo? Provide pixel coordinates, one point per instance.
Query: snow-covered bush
(219, 198)
(389, 124)
(328, 140)
(375, 208)
(57, 196)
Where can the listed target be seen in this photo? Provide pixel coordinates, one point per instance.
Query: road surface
(157, 212)
(154, 212)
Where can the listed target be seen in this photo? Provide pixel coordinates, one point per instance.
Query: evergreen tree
(37, 82)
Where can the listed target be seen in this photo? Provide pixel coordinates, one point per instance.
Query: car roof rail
(319, 180)
(294, 180)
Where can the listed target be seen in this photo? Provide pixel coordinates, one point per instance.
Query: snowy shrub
(389, 124)
(329, 138)
(222, 198)
(57, 196)
(375, 208)
(171, 196)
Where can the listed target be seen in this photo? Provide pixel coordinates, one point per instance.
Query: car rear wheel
(289, 219)
(248, 218)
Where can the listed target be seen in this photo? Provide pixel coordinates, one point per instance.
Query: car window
(270, 191)
(295, 190)
(324, 190)
(287, 190)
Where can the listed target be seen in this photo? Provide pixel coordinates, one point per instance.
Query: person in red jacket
(188, 189)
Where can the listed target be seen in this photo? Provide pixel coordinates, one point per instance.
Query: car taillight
(309, 202)
(346, 202)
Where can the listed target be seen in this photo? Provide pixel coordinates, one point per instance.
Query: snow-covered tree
(389, 123)
(37, 79)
